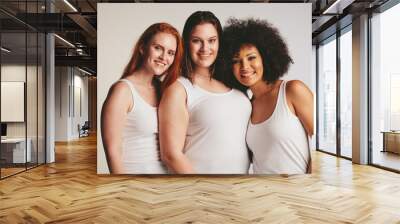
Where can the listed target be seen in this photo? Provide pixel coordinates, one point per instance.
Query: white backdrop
(119, 25)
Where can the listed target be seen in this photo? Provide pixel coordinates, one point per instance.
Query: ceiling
(76, 21)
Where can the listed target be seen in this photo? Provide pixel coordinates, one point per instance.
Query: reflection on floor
(386, 159)
(10, 169)
(346, 152)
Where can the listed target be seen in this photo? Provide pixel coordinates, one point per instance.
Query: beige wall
(92, 98)
(17, 73)
(34, 126)
(71, 102)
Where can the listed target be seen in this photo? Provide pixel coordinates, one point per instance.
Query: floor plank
(70, 191)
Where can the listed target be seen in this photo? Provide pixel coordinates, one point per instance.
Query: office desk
(13, 150)
(391, 141)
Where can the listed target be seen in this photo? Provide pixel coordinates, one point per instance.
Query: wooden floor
(8, 171)
(70, 191)
(5, 172)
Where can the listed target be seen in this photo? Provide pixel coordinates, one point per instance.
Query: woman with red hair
(129, 123)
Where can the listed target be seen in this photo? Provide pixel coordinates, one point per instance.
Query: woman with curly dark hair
(282, 111)
(202, 121)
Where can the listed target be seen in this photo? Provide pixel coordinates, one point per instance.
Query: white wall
(360, 90)
(81, 84)
(313, 86)
(68, 82)
(120, 25)
(50, 94)
(62, 80)
(33, 127)
(16, 72)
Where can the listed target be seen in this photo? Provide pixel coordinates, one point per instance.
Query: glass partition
(327, 96)
(346, 93)
(385, 89)
(32, 96)
(14, 153)
(22, 88)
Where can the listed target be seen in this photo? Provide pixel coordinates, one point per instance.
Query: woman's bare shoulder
(119, 95)
(175, 90)
(297, 89)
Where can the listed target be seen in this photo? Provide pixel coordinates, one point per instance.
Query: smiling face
(203, 45)
(160, 53)
(247, 65)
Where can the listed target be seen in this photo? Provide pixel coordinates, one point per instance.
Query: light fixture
(84, 71)
(5, 50)
(70, 5)
(64, 40)
(337, 7)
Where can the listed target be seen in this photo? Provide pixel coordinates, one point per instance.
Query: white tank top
(216, 135)
(140, 148)
(280, 143)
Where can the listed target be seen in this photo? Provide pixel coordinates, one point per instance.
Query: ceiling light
(65, 41)
(70, 5)
(331, 7)
(337, 7)
(84, 71)
(5, 50)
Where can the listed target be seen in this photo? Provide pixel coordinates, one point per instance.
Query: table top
(391, 132)
(13, 140)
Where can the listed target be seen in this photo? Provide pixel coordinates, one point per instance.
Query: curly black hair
(267, 40)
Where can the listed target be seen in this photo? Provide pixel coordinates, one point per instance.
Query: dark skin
(248, 70)
(270, 98)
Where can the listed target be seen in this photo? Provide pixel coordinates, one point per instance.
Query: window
(327, 96)
(346, 93)
(385, 89)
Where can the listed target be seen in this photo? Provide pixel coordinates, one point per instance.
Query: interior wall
(71, 102)
(17, 72)
(62, 80)
(92, 98)
(313, 87)
(360, 90)
(80, 109)
(50, 95)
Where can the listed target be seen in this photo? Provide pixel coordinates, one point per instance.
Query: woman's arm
(173, 121)
(113, 116)
(302, 99)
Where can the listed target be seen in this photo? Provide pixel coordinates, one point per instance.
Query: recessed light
(5, 50)
(70, 5)
(64, 40)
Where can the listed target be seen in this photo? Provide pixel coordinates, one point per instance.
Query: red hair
(136, 60)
